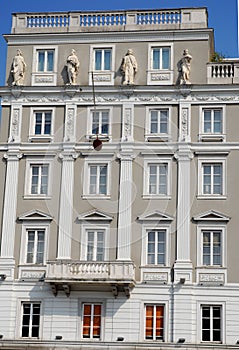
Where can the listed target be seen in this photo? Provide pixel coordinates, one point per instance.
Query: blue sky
(222, 17)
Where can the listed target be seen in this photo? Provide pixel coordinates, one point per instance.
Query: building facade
(119, 170)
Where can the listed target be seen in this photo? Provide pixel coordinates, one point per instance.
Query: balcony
(115, 276)
(225, 72)
(52, 22)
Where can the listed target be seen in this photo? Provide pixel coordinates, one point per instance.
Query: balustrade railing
(225, 72)
(159, 17)
(43, 21)
(222, 70)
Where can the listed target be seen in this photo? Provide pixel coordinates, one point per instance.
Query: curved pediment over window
(211, 215)
(155, 216)
(35, 215)
(95, 215)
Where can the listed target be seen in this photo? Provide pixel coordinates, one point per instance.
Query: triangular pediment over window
(155, 216)
(211, 215)
(95, 215)
(35, 215)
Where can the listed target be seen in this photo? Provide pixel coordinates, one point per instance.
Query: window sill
(35, 196)
(211, 196)
(102, 137)
(157, 137)
(159, 77)
(40, 138)
(102, 77)
(156, 196)
(212, 138)
(95, 196)
(44, 78)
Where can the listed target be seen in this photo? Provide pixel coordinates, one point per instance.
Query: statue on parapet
(18, 69)
(73, 65)
(184, 68)
(129, 68)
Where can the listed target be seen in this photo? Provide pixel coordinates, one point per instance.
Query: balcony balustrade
(225, 72)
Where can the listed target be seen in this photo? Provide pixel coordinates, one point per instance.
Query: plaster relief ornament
(184, 68)
(73, 65)
(129, 67)
(18, 69)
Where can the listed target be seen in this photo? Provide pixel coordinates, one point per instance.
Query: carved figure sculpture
(184, 68)
(73, 65)
(18, 68)
(129, 67)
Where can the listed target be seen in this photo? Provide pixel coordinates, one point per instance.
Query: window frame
(157, 161)
(42, 78)
(160, 76)
(28, 178)
(81, 310)
(19, 318)
(104, 137)
(159, 136)
(41, 137)
(154, 321)
(96, 161)
(211, 161)
(85, 228)
(211, 304)
(203, 136)
(101, 77)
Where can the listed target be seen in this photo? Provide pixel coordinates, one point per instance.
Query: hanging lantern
(97, 144)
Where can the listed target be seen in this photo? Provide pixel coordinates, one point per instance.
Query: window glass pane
(151, 248)
(206, 248)
(98, 59)
(154, 122)
(105, 123)
(50, 61)
(47, 127)
(165, 58)
(95, 123)
(217, 179)
(164, 122)
(217, 121)
(41, 60)
(38, 123)
(207, 121)
(107, 63)
(156, 58)
(103, 179)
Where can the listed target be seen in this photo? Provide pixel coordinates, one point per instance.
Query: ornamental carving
(128, 123)
(70, 123)
(15, 123)
(184, 123)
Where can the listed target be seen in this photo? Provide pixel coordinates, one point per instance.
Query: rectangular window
(212, 121)
(211, 323)
(95, 245)
(91, 324)
(212, 248)
(102, 58)
(156, 254)
(30, 319)
(39, 178)
(212, 179)
(45, 60)
(154, 322)
(161, 58)
(98, 179)
(158, 179)
(159, 121)
(43, 121)
(35, 246)
(100, 122)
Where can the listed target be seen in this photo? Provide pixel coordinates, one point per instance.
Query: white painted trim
(212, 160)
(94, 226)
(18, 324)
(15, 123)
(158, 136)
(102, 73)
(45, 78)
(89, 135)
(212, 136)
(41, 137)
(157, 160)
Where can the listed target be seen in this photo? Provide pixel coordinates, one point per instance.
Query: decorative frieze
(70, 121)
(155, 277)
(218, 278)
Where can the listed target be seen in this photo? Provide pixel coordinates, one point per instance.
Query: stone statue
(18, 68)
(184, 68)
(73, 65)
(129, 67)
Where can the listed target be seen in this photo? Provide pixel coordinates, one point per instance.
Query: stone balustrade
(112, 20)
(101, 272)
(225, 72)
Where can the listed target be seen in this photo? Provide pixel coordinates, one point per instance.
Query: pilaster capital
(126, 155)
(67, 156)
(184, 154)
(13, 156)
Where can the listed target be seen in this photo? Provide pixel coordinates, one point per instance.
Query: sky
(222, 17)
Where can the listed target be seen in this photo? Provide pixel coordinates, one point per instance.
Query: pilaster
(126, 157)
(7, 262)
(15, 124)
(66, 205)
(70, 123)
(184, 122)
(183, 265)
(127, 123)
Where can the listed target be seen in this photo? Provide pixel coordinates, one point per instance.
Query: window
(160, 63)
(35, 246)
(158, 179)
(212, 178)
(211, 323)
(39, 179)
(159, 121)
(99, 124)
(160, 58)
(154, 322)
(102, 59)
(43, 122)
(156, 247)
(91, 320)
(45, 60)
(212, 248)
(30, 319)
(95, 245)
(212, 126)
(98, 179)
